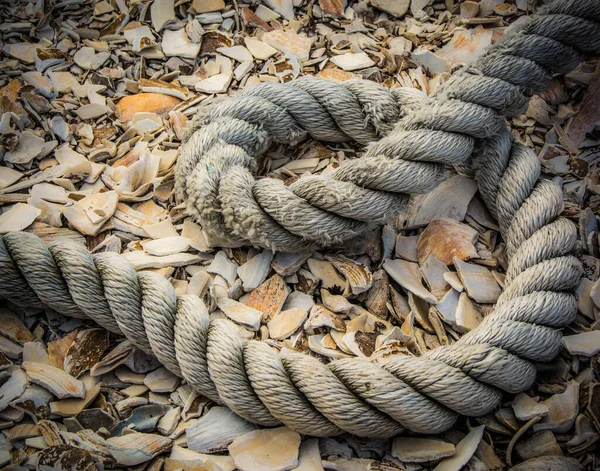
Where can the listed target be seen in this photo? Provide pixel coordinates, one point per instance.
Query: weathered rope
(423, 394)
(214, 171)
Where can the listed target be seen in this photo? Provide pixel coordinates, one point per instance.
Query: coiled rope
(463, 121)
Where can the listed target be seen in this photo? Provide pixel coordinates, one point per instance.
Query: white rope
(214, 173)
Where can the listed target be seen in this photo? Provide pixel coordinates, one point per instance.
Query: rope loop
(408, 140)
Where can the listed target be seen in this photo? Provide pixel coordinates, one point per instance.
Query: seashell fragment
(419, 450)
(59, 383)
(325, 272)
(585, 344)
(8, 176)
(563, 409)
(540, 444)
(526, 408)
(450, 199)
(309, 458)
(446, 239)
(549, 463)
(478, 281)
(255, 271)
(13, 328)
(269, 297)
(286, 264)
(73, 406)
(406, 248)
(135, 448)
(433, 271)
(407, 275)
(182, 458)
(321, 317)
(285, 323)
(166, 246)
(358, 276)
(317, 344)
(142, 261)
(464, 451)
(273, 449)
(161, 380)
(213, 432)
(240, 313)
(13, 388)
(85, 351)
(18, 217)
(221, 265)
(90, 214)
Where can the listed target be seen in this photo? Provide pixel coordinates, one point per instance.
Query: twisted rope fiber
(424, 394)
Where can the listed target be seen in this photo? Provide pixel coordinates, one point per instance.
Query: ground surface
(94, 99)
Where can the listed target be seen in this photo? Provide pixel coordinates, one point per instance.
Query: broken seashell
(453, 280)
(221, 265)
(419, 450)
(13, 388)
(85, 351)
(142, 261)
(563, 409)
(586, 344)
(240, 313)
(13, 328)
(478, 281)
(269, 297)
(325, 272)
(135, 448)
(168, 422)
(61, 384)
(358, 276)
(316, 343)
(466, 317)
(378, 295)
(298, 300)
(407, 275)
(259, 49)
(273, 449)
(540, 444)
(213, 432)
(549, 463)
(18, 217)
(34, 402)
(254, 272)
(184, 459)
(361, 343)
(285, 323)
(90, 214)
(286, 264)
(353, 61)
(450, 199)
(166, 246)
(526, 408)
(464, 451)
(73, 406)
(161, 380)
(8, 176)
(28, 148)
(136, 178)
(433, 271)
(321, 317)
(336, 302)
(586, 435)
(420, 309)
(445, 239)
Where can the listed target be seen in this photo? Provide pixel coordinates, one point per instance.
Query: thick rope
(424, 394)
(214, 170)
